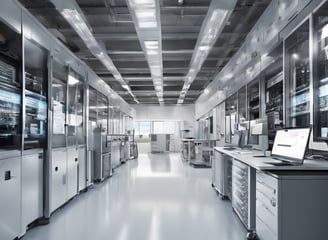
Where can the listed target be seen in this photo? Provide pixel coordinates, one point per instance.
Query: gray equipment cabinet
(291, 205)
(222, 174)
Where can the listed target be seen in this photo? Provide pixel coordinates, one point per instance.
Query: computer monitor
(291, 144)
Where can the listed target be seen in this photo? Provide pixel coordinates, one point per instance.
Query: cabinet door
(59, 178)
(10, 201)
(72, 169)
(32, 188)
(82, 168)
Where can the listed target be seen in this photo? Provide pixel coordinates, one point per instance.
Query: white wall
(167, 113)
(179, 113)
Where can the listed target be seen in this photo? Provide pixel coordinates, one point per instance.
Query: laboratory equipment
(10, 132)
(35, 132)
(222, 174)
(160, 143)
(102, 154)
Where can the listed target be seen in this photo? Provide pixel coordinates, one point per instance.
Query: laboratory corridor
(157, 197)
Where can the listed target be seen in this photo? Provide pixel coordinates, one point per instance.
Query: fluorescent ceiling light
(75, 19)
(204, 48)
(152, 52)
(151, 44)
(79, 25)
(72, 80)
(144, 2)
(146, 13)
(147, 24)
(324, 33)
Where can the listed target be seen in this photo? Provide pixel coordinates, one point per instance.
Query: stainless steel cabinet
(82, 168)
(222, 174)
(297, 77)
(10, 189)
(72, 172)
(32, 188)
(115, 153)
(59, 178)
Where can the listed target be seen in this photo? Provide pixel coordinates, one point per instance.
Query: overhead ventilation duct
(215, 20)
(70, 10)
(146, 18)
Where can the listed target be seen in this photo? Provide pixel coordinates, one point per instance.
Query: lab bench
(277, 202)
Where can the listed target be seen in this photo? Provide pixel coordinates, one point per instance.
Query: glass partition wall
(320, 70)
(59, 91)
(297, 77)
(36, 76)
(10, 91)
(253, 99)
(231, 117)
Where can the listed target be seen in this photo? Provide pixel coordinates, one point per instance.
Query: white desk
(259, 163)
(283, 202)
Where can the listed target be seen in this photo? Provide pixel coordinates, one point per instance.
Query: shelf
(294, 93)
(278, 78)
(299, 114)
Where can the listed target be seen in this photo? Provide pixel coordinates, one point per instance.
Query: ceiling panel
(113, 28)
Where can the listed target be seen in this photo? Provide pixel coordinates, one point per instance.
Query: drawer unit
(243, 193)
(266, 206)
(222, 175)
(291, 205)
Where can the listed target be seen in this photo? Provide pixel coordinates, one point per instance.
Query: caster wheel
(251, 236)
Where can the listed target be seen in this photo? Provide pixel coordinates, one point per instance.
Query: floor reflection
(155, 197)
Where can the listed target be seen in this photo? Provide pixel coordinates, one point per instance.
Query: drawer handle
(76, 159)
(273, 202)
(7, 175)
(56, 169)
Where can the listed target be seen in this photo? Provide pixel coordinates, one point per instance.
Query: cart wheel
(251, 235)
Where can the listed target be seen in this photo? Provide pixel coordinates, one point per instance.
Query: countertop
(261, 163)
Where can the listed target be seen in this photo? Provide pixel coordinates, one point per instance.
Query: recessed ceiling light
(146, 13)
(147, 24)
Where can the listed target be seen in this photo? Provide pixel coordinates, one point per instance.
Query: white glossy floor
(157, 197)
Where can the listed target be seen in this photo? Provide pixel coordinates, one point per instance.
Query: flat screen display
(291, 144)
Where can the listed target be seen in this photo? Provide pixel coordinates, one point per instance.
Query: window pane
(144, 128)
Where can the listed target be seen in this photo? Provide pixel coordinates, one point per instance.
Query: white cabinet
(72, 172)
(10, 188)
(32, 188)
(59, 178)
